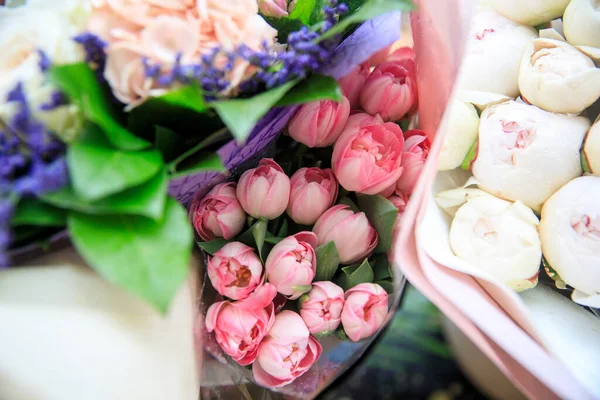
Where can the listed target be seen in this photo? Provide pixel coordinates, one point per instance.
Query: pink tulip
(390, 90)
(319, 124)
(219, 214)
(352, 234)
(322, 308)
(353, 83)
(235, 271)
(380, 57)
(368, 159)
(241, 326)
(313, 191)
(400, 201)
(361, 119)
(291, 265)
(402, 54)
(273, 8)
(416, 149)
(264, 191)
(365, 310)
(286, 353)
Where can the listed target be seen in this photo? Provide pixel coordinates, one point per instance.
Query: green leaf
(255, 236)
(386, 285)
(144, 257)
(213, 246)
(353, 275)
(284, 229)
(585, 165)
(470, 157)
(241, 115)
(146, 200)
(273, 239)
(328, 261)
(167, 142)
(303, 10)
(190, 97)
(186, 162)
(98, 171)
(348, 201)
(382, 268)
(317, 87)
(284, 26)
(369, 10)
(79, 82)
(382, 215)
(35, 212)
(206, 162)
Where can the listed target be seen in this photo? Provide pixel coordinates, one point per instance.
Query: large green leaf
(303, 10)
(317, 87)
(167, 142)
(353, 275)
(212, 246)
(240, 115)
(194, 160)
(369, 10)
(79, 82)
(147, 199)
(382, 214)
(97, 171)
(328, 261)
(35, 212)
(144, 257)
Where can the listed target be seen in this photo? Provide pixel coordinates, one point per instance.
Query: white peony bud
(496, 236)
(526, 153)
(570, 233)
(581, 23)
(463, 128)
(591, 149)
(557, 77)
(531, 12)
(494, 51)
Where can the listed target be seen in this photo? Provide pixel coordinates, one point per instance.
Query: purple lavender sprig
(32, 162)
(95, 52)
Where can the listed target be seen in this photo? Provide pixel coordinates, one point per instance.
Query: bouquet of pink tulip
(297, 246)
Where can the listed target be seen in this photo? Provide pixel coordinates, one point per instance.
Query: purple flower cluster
(32, 161)
(95, 54)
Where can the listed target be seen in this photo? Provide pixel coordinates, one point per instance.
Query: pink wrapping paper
(487, 313)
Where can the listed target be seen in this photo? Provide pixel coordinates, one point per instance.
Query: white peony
(570, 233)
(581, 23)
(49, 27)
(496, 236)
(531, 12)
(494, 50)
(557, 77)
(462, 131)
(591, 149)
(526, 153)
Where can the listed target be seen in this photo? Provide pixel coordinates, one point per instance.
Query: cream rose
(463, 128)
(24, 31)
(581, 23)
(570, 233)
(531, 12)
(494, 51)
(591, 149)
(496, 236)
(526, 153)
(557, 77)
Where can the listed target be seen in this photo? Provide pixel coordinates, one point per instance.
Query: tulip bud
(462, 131)
(241, 326)
(365, 310)
(570, 233)
(291, 265)
(352, 234)
(416, 149)
(320, 123)
(527, 154)
(273, 8)
(581, 23)
(313, 191)
(557, 77)
(402, 54)
(391, 90)
(353, 83)
(361, 119)
(321, 310)
(264, 191)
(219, 214)
(235, 271)
(286, 353)
(591, 149)
(367, 159)
(498, 237)
(531, 12)
(494, 49)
